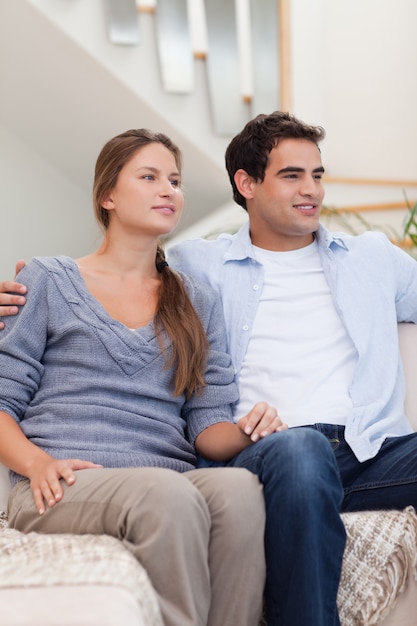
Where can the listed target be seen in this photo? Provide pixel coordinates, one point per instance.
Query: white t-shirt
(299, 358)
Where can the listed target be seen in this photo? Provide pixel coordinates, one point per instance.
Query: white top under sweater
(298, 349)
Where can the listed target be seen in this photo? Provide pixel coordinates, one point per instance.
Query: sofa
(68, 580)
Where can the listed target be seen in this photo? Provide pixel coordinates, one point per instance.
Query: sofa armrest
(4, 487)
(407, 334)
(35, 560)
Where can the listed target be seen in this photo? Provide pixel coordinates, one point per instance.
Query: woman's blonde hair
(175, 313)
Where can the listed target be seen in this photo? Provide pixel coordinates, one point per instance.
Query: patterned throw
(381, 549)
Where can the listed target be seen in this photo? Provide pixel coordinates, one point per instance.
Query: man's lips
(308, 208)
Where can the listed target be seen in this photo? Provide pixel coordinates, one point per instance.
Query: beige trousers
(199, 535)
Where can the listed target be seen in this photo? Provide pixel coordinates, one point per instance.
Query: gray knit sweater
(81, 384)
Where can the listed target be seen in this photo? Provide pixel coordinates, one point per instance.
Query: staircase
(66, 89)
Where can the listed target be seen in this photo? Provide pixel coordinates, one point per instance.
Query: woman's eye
(148, 177)
(175, 182)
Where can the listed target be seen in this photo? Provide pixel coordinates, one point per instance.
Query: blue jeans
(304, 534)
(388, 481)
(307, 483)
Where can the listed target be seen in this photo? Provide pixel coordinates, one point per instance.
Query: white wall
(41, 211)
(367, 90)
(355, 69)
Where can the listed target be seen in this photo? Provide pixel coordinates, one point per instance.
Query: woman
(103, 396)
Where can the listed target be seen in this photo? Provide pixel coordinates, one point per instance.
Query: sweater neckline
(74, 274)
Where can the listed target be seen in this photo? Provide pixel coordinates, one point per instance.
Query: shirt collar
(325, 238)
(241, 246)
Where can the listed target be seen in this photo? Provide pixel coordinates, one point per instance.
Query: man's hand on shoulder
(10, 300)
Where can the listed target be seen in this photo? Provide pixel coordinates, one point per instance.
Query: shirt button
(255, 287)
(245, 327)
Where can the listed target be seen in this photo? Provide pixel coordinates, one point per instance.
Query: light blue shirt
(373, 285)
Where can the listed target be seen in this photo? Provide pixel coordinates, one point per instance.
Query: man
(312, 324)
(313, 330)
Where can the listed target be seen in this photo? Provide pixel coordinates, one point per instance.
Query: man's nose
(309, 186)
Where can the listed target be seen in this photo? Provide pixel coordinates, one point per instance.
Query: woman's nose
(167, 188)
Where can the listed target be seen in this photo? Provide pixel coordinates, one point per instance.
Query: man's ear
(244, 183)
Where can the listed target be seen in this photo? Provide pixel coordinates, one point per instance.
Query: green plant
(410, 226)
(354, 223)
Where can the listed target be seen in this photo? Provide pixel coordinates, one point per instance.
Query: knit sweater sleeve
(22, 344)
(214, 403)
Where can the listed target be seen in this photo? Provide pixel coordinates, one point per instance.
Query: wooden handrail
(387, 206)
(145, 8)
(370, 181)
(403, 243)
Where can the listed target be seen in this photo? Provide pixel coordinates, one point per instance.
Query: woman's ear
(244, 183)
(107, 202)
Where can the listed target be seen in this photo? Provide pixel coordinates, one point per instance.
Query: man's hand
(261, 421)
(46, 476)
(9, 303)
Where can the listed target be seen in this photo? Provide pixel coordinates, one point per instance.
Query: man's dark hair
(250, 149)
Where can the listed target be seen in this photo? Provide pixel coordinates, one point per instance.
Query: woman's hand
(222, 441)
(261, 421)
(45, 479)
